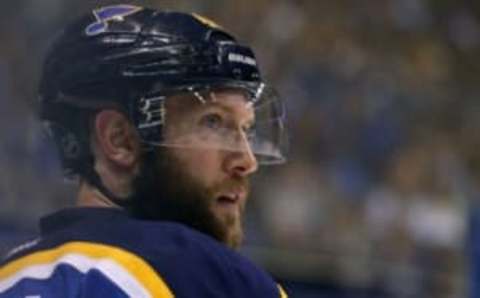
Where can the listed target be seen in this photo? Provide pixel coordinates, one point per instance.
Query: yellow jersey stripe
(136, 267)
(283, 294)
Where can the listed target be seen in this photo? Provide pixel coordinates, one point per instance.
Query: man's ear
(116, 138)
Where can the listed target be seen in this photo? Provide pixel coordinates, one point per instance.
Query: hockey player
(162, 117)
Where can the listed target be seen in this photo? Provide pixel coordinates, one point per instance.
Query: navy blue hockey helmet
(134, 58)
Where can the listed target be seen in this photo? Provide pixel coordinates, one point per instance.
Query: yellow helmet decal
(206, 21)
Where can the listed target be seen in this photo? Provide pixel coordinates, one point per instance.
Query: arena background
(379, 196)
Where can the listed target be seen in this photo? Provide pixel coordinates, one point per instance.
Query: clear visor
(227, 119)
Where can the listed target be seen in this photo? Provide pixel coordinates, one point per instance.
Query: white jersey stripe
(113, 271)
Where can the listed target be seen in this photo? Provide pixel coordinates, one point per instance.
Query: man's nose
(241, 162)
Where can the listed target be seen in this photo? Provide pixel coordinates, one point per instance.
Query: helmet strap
(94, 179)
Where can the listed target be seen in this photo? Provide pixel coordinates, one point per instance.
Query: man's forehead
(233, 101)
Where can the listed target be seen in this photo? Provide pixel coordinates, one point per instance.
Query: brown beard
(165, 191)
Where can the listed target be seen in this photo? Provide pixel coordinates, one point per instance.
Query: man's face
(206, 163)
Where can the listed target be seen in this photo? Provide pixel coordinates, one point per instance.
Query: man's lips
(232, 197)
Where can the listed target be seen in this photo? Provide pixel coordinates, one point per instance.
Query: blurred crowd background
(379, 196)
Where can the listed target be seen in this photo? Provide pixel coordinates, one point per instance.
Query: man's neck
(89, 196)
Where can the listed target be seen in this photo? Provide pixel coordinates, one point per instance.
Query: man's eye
(213, 121)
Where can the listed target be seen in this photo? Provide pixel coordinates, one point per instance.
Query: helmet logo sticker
(152, 112)
(239, 58)
(108, 13)
(206, 21)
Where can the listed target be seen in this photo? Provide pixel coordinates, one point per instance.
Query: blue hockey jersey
(102, 252)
